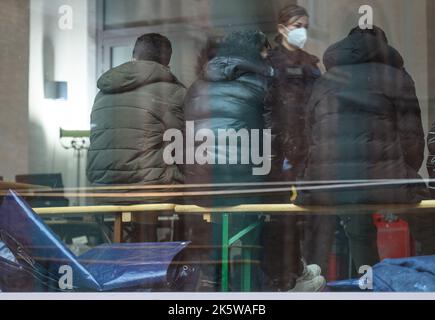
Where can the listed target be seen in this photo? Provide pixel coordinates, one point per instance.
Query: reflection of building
(104, 32)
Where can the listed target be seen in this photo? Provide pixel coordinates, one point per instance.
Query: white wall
(13, 87)
(59, 55)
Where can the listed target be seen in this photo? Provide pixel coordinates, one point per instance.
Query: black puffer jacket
(430, 164)
(364, 123)
(137, 103)
(230, 95)
(295, 74)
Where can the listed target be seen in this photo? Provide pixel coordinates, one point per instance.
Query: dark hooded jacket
(295, 75)
(430, 163)
(138, 101)
(229, 95)
(363, 123)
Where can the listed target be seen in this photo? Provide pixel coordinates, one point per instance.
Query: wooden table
(228, 240)
(20, 187)
(4, 185)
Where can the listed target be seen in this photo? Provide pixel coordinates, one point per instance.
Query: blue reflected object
(351, 285)
(32, 254)
(286, 165)
(416, 274)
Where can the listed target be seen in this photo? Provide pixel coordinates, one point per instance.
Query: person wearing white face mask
(296, 71)
(297, 37)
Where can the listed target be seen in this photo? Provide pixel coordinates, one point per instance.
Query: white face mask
(297, 37)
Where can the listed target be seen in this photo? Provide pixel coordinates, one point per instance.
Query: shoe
(317, 284)
(310, 280)
(310, 272)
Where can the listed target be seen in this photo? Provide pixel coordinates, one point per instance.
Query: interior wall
(187, 23)
(58, 54)
(70, 56)
(14, 44)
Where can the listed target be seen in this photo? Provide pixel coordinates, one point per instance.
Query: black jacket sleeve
(409, 124)
(430, 164)
(270, 122)
(285, 112)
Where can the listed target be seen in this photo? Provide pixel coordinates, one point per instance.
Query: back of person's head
(153, 47)
(247, 44)
(367, 46)
(375, 31)
(207, 53)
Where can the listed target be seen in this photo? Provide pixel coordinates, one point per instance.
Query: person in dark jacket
(295, 74)
(430, 163)
(422, 225)
(229, 94)
(138, 101)
(363, 126)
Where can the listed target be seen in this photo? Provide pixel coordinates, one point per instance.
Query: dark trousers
(206, 249)
(362, 236)
(281, 259)
(319, 236)
(422, 227)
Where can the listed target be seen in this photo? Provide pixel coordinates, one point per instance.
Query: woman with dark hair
(207, 53)
(296, 71)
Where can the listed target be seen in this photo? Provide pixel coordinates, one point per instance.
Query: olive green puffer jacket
(138, 101)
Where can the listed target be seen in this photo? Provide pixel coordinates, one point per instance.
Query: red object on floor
(333, 270)
(394, 238)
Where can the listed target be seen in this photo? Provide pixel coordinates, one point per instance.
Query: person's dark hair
(246, 44)
(207, 53)
(153, 47)
(288, 13)
(376, 31)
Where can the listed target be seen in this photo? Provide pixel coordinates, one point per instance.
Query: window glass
(224, 146)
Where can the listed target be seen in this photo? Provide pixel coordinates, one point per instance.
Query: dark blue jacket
(364, 123)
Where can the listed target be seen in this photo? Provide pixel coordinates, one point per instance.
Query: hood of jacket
(362, 48)
(132, 75)
(231, 68)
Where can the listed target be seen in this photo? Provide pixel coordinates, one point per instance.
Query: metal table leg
(225, 252)
(227, 242)
(117, 228)
(247, 269)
